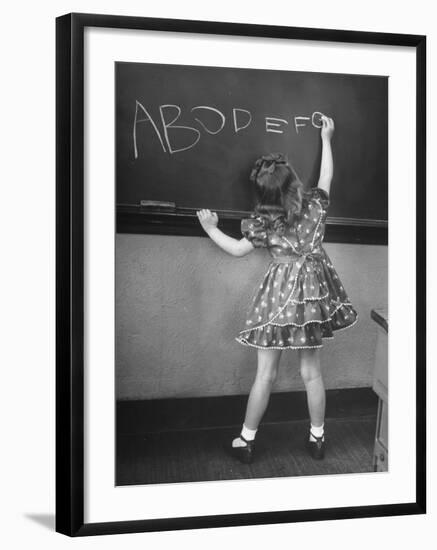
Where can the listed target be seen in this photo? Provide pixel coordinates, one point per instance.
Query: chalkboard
(190, 134)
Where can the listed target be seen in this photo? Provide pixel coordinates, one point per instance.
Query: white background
(27, 127)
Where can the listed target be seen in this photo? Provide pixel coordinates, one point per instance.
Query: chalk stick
(158, 205)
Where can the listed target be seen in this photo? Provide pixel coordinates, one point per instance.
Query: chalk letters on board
(242, 118)
(234, 114)
(221, 115)
(167, 125)
(137, 121)
(191, 134)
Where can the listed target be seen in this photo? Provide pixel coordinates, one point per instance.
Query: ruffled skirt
(297, 305)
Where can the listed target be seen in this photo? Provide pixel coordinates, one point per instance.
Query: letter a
(147, 119)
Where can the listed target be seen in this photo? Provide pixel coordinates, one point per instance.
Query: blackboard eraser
(158, 205)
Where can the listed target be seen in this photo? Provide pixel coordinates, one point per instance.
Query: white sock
(317, 431)
(247, 434)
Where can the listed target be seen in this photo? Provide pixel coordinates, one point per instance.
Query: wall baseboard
(160, 415)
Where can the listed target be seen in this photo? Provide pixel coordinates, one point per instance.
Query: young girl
(301, 299)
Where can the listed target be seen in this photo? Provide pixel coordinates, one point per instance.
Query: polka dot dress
(301, 299)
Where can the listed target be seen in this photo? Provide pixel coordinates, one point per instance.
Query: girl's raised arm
(327, 163)
(235, 247)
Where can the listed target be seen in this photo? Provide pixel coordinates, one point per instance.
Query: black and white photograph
(216, 282)
(251, 273)
(240, 251)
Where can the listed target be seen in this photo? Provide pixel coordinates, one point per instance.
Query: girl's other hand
(208, 219)
(327, 128)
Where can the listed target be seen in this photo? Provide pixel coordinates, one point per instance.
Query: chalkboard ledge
(184, 222)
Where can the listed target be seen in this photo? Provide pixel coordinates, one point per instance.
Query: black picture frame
(70, 269)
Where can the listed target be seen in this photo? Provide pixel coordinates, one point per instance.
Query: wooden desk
(380, 386)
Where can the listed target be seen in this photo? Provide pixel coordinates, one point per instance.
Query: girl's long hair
(278, 188)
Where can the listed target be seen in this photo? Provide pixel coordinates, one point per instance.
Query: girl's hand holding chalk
(208, 219)
(327, 128)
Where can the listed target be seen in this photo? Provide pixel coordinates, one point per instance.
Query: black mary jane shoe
(316, 448)
(243, 454)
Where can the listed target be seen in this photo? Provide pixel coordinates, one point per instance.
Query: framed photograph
(231, 198)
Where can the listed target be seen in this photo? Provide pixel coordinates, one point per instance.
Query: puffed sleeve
(320, 195)
(254, 230)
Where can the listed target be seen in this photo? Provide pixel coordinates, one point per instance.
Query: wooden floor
(198, 454)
